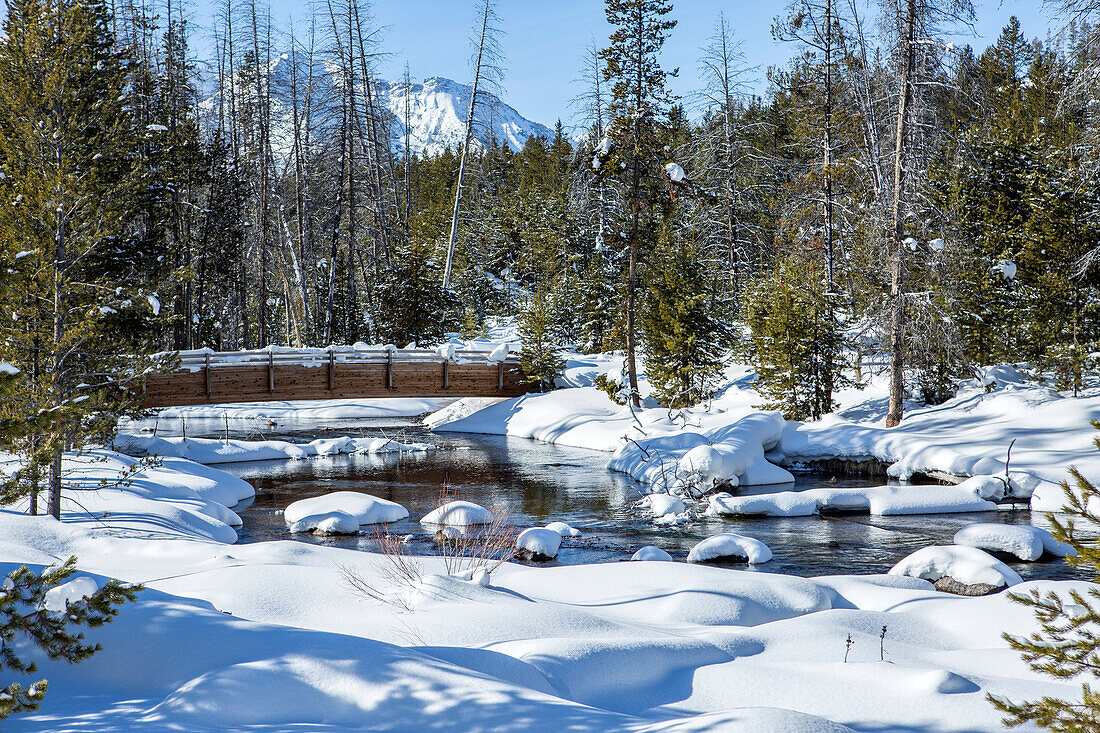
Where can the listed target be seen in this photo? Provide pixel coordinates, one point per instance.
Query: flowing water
(534, 483)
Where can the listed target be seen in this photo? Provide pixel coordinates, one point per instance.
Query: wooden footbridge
(206, 377)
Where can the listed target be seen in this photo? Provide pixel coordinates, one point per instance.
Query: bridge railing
(282, 373)
(197, 359)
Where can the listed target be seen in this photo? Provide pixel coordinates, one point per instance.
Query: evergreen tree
(81, 299)
(685, 340)
(24, 613)
(640, 102)
(541, 359)
(1067, 645)
(796, 345)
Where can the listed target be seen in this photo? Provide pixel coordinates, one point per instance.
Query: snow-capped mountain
(437, 110)
(437, 116)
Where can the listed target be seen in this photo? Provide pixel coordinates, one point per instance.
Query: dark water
(533, 483)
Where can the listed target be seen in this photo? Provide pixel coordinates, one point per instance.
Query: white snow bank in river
(539, 542)
(968, 565)
(1023, 541)
(213, 451)
(460, 514)
(662, 504)
(288, 412)
(692, 462)
(341, 512)
(729, 545)
(882, 500)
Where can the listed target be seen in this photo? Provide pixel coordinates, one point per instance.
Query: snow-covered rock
(564, 529)
(661, 505)
(958, 569)
(537, 544)
(729, 546)
(460, 514)
(1024, 541)
(675, 172)
(651, 553)
(341, 512)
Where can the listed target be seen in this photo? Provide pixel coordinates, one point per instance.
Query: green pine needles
(23, 614)
(1068, 642)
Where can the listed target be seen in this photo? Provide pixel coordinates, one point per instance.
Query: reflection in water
(534, 483)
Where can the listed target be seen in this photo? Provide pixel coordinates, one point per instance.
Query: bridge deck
(206, 377)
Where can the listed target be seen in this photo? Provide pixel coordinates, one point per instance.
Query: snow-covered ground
(270, 637)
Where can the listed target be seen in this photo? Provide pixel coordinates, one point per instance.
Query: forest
(892, 203)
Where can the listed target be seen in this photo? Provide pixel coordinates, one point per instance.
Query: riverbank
(270, 636)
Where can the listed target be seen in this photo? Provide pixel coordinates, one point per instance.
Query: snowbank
(730, 546)
(460, 514)
(213, 451)
(882, 500)
(661, 505)
(341, 512)
(1026, 543)
(969, 435)
(117, 494)
(693, 463)
(267, 636)
(967, 565)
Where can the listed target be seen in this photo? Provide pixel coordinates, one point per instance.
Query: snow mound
(651, 553)
(538, 543)
(1025, 542)
(662, 505)
(675, 172)
(729, 545)
(460, 514)
(694, 463)
(967, 565)
(341, 512)
(563, 529)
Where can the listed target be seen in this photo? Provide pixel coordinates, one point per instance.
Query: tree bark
(895, 411)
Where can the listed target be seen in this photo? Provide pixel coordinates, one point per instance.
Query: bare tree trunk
(897, 263)
(467, 140)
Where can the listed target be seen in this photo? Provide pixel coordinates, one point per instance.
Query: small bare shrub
(482, 547)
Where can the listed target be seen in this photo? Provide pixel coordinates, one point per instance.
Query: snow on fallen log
(341, 512)
(880, 500)
(730, 547)
(957, 569)
(1023, 541)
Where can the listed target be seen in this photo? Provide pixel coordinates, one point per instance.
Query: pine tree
(541, 359)
(796, 345)
(1067, 645)
(640, 101)
(82, 304)
(23, 613)
(685, 339)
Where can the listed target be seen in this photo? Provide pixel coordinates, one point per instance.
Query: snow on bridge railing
(198, 359)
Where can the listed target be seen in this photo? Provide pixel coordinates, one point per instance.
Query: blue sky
(545, 40)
